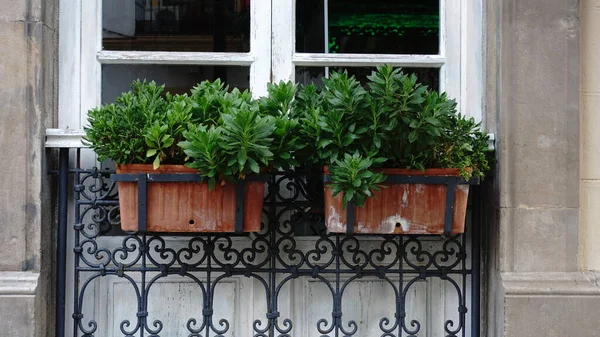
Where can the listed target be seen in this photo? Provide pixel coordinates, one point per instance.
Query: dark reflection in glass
(369, 26)
(176, 25)
(177, 79)
(315, 75)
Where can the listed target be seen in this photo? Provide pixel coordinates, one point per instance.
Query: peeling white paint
(361, 227)
(389, 224)
(404, 198)
(334, 221)
(420, 188)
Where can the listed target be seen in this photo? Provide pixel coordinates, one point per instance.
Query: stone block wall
(536, 285)
(28, 36)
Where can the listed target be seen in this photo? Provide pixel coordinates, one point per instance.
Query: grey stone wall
(534, 286)
(28, 36)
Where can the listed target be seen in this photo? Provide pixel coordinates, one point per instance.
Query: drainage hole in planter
(192, 222)
(398, 224)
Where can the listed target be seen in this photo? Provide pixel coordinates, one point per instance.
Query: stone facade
(543, 236)
(538, 282)
(28, 106)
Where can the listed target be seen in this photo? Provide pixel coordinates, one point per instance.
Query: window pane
(314, 75)
(369, 26)
(176, 25)
(177, 79)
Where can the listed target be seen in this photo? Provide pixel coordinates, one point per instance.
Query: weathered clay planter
(402, 208)
(187, 207)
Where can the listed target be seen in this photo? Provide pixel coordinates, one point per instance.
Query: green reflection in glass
(382, 21)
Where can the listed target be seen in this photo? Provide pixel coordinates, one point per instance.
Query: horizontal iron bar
(426, 180)
(176, 177)
(101, 202)
(300, 272)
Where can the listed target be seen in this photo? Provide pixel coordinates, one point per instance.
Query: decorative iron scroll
(272, 257)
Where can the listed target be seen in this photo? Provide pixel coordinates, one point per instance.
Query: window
(105, 44)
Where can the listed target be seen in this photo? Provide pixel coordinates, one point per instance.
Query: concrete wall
(590, 136)
(27, 87)
(535, 286)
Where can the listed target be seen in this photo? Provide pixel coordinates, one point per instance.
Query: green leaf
(433, 121)
(324, 142)
(156, 163)
(242, 156)
(253, 165)
(412, 137)
(151, 152)
(211, 183)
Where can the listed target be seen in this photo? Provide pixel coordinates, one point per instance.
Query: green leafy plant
(118, 130)
(164, 134)
(225, 134)
(233, 143)
(353, 176)
(286, 137)
(390, 121)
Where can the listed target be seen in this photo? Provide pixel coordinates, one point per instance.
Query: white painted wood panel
(364, 60)
(283, 39)
(69, 70)
(168, 57)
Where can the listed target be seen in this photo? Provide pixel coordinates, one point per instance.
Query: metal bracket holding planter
(396, 179)
(142, 180)
(273, 257)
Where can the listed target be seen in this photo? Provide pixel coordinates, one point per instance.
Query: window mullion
(69, 93)
(283, 39)
(260, 46)
(450, 47)
(91, 43)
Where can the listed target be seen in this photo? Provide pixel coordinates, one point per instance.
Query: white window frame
(272, 24)
(81, 57)
(459, 57)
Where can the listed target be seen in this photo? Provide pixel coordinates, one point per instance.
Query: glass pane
(368, 26)
(177, 79)
(314, 75)
(176, 25)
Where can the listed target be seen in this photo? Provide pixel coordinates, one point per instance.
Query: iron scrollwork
(273, 258)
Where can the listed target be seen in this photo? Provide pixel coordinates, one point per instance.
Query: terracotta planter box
(187, 206)
(402, 208)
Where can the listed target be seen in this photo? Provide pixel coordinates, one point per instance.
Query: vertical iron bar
(240, 197)
(449, 212)
(337, 321)
(143, 302)
(76, 247)
(464, 276)
(271, 300)
(350, 218)
(476, 262)
(142, 201)
(208, 300)
(400, 306)
(61, 257)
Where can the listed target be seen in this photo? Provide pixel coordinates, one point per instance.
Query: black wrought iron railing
(274, 258)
